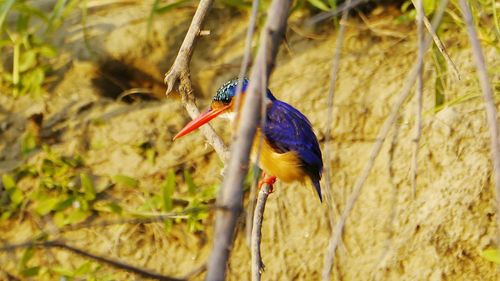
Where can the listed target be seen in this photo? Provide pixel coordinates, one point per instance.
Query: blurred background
(86, 151)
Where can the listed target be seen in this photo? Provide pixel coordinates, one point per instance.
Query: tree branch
(257, 264)
(111, 262)
(358, 186)
(179, 75)
(489, 102)
(325, 275)
(231, 194)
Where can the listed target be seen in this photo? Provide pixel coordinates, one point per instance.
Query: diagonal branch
(179, 76)
(114, 263)
(489, 102)
(232, 193)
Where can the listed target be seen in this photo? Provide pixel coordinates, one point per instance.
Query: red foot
(269, 181)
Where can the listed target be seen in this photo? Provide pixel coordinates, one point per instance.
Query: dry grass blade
(231, 194)
(489, 102)
(405, 92)
(442, 48)
(419, 97)
(439, 43)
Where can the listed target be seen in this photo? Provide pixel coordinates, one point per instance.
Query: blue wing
(287, 129)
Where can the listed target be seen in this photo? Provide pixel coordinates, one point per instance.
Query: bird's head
(223, 104)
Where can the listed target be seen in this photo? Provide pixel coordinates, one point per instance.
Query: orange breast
(285, 166)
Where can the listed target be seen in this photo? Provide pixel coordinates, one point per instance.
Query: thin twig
(329, 123)
(340, 9)
(489, 102)
(442, 48)
(380, 141)
(243, 72)
(152, 219)
(257, 264)
(419, 97)
(395, 193)
(438, 42)
(232, 194)
(81, 252)
(179, 76)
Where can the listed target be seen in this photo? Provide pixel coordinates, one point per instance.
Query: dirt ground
(390, 235)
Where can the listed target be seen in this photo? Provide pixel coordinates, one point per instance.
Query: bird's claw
(269, 181)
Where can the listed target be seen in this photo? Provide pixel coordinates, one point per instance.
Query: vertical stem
(231, 194)
(15, 66)
(419, 96)
(489, 103)
(257, 264)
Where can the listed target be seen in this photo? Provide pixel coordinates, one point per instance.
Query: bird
(290, 150)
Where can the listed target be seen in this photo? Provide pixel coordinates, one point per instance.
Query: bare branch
(231, 194)
(257, 264)
(325, 275)
(181, 63)
(420, 89)
(489, 102)
(243, 72)
(111, 262)
(179, 75)
(380, 140)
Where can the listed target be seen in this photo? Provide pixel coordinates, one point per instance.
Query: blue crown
(227, 91)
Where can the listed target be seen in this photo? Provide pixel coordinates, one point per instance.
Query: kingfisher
(290, 150)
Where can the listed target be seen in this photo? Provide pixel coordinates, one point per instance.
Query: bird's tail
(317, 186)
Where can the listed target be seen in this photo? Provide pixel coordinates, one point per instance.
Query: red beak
(202, 119)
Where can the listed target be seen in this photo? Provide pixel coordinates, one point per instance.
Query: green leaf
(167, 189)
(46, 205)
(4, 9)
(56, 14)
(30, 271)
(17, 196)
(439, 82)
(28, 143)
(192, 188)
(48, 167)
(63, 271)
(8, 182)
(115, 208)
(429, 6)
(5, 215)
(125, 181)
(151, 155)
(319, 4)
(27, 255)
(85, 268)
(27, 60)
(77, 216)
(492, 255)
(47, 51)
(59, 219)
(64, 203)
(88, 186)
(171, 6)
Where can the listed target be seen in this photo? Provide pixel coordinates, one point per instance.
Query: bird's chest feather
(286, 166)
